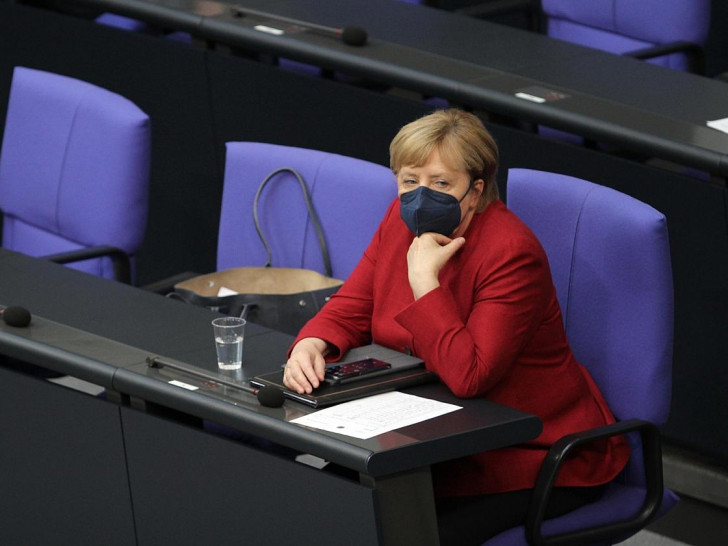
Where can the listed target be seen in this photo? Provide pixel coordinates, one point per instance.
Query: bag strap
(311, 212)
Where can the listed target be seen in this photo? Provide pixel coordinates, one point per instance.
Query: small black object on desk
(14, 315)
(268, 396)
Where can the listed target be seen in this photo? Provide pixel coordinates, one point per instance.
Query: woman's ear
(475, 194)
(479, 186)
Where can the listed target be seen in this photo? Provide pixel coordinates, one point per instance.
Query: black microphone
(351, 35)
(268, 396)
(14, 315)
(354, 35)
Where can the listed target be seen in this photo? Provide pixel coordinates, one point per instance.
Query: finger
(288, 379)
(320, 366)
(295, 379)
(312, 380)
(440, 239)
(309, 371)
(453, 246)
(314, 367)
(294, 376)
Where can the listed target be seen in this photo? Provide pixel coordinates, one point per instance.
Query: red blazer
(492, 329)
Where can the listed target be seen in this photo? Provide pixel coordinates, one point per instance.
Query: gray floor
(648, 538)
(691, 522)
(701, 517)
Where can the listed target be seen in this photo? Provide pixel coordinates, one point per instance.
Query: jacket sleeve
(346, 320)
(510, 295)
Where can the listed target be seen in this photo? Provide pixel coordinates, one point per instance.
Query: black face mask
(426, 210)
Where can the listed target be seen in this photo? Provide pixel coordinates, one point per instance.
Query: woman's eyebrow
(439, 174)
(410, 173)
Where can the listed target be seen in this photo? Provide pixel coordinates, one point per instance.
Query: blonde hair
(462, 140)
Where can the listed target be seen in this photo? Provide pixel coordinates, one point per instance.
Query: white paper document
(368, 417)
(720, 124)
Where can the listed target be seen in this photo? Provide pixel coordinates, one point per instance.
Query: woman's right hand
(305, 368)
(426, 256)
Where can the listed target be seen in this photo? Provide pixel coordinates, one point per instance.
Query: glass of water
(229, 335)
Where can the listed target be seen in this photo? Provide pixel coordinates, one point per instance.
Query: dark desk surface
(102, 331)
(626, 102)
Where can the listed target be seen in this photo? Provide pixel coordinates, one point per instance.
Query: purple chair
(349, 195)
(123, 22)
(610, 261)
(670, 33)
(74, 174)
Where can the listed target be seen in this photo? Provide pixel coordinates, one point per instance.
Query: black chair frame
(652, 459)
(119, 259)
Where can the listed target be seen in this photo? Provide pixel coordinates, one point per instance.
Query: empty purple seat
(74, 173)
(670, 33)
(122, 22)
(350, 196)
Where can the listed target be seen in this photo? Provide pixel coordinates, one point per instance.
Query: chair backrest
(350, 196)
(74, 169)
(610, 261)
(130, 24)
(620, 26)
(122, 22)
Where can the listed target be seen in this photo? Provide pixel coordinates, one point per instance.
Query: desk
(211, 97)
(629, 103)
(184, 483)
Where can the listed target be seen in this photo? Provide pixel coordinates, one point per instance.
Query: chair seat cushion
(611, 42)
(618, 503)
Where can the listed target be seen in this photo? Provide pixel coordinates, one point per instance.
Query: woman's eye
(442, 184)
(409, 182)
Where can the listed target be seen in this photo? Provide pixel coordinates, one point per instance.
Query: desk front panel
(192, 488)
(63, 474)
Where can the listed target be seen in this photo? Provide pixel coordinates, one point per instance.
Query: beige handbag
(281, 298)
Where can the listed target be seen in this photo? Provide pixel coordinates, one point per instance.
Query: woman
(454, 277)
